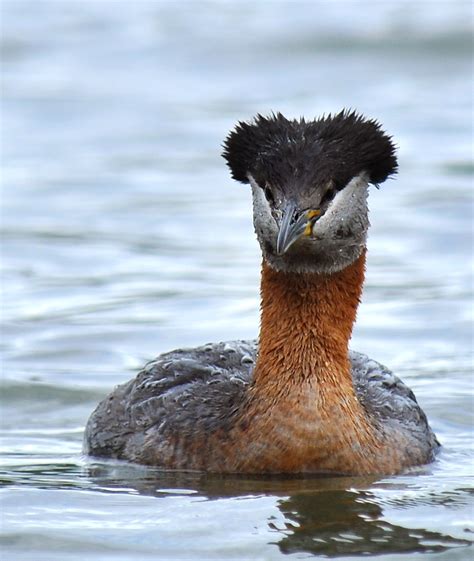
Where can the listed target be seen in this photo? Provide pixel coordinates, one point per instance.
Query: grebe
(296, 401)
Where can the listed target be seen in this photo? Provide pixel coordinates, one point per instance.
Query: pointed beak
(294, 224)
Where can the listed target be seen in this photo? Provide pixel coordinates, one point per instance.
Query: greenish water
(123, 236)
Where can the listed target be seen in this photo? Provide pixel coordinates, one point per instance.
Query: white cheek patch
(349, 204)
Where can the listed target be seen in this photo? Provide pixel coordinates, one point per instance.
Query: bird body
(296, 401)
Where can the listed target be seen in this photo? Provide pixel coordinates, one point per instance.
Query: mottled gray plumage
(191, 391)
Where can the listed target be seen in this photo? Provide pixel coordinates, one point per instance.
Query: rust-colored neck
(306, 324)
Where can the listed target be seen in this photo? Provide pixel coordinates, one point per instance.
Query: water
(123, 236)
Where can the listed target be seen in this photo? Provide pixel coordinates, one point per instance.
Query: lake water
(124, 236)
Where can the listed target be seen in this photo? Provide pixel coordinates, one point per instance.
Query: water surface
(123, 236)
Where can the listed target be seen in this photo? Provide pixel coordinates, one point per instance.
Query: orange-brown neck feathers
(307, 322)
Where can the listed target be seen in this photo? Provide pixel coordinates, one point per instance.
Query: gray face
(310, 183)
(294, 239)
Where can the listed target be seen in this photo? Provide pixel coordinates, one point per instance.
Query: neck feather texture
(302, 413)
(306, 324)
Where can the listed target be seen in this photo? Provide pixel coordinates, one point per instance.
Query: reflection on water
(322, 515)
(332, 517)
(349, 522)
(123, 236)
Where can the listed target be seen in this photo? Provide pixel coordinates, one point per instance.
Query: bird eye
(328, 196)
(269, 195)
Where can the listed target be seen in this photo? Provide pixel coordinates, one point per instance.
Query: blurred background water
(123, 236)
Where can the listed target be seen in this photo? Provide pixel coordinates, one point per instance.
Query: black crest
(333, 148)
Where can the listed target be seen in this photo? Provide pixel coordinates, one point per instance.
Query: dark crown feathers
(334, 147)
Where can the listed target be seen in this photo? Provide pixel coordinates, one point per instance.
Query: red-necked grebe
(296, 401)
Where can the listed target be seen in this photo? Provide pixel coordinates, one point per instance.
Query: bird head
(309, 184)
